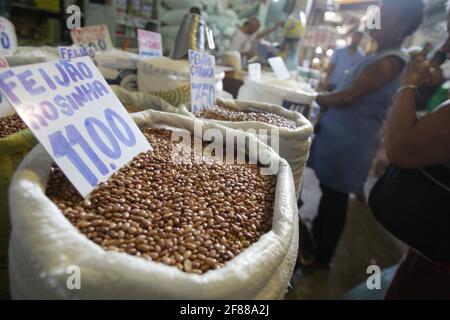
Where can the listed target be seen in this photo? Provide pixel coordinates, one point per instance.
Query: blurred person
(343, 61)
(244, 36)
(348, 133)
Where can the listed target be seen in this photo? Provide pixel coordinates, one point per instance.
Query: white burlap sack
(293, 95)
(162, 74)
(119, 67)
(176, 4)
(44, 244)
(30, 55)
(135, 101)
(293, 144)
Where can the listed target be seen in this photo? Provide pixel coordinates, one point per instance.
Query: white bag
(118, 67)
(293, 144)
(177, 4)
(44, 244)
(164, 74)
(31, 55)
(140, 101)
(293, 95)
(174, 17)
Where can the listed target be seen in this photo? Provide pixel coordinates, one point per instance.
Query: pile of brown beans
(225, 113)
(11, 124)
(192, 216)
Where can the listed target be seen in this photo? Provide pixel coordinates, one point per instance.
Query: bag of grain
(15, 142)
(135, 101)
(292, 95)
(31, 55)
(177, 4)
(46, 248)
(292, 128)
(169, 79)
(118, 67)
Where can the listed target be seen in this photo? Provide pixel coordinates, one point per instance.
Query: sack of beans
(157, 229)
(293, 129)
(31, 55)
(15, 142)
(169, 79)
(135, 101)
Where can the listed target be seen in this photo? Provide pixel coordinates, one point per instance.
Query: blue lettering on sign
(67, 74)
(65, 147)
(4, 40)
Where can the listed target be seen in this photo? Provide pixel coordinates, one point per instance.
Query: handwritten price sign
(5, 107)
(96, 37)
(279, 68)
(77, 118)
(149, 43)
(8, 37)
(68, 53)
(203, 84)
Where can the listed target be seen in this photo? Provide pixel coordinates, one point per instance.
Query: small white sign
(149, 44)
(8, 37)
(96, 37)
(203, 84)
(68, 53)
(254, 72)
(279, 68)
(77, 118)
(5, 107)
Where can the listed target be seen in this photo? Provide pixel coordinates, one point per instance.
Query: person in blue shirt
(343, 61)
(348, 133)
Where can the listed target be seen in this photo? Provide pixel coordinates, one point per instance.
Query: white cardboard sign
(279, 68)
(150, 44)
(254, 72)
(201, 76)
(8, 37)
(68, 53)
(96, 37)
(77, 118)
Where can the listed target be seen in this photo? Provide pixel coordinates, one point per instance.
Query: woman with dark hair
(412, 199)
(348, 133)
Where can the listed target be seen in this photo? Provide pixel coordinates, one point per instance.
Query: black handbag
(414, 205)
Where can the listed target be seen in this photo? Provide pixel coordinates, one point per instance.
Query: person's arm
(325, 84)
(412, 143)
(266, 32)
(373, 77)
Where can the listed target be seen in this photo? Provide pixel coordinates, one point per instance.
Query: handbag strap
(436, 181)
